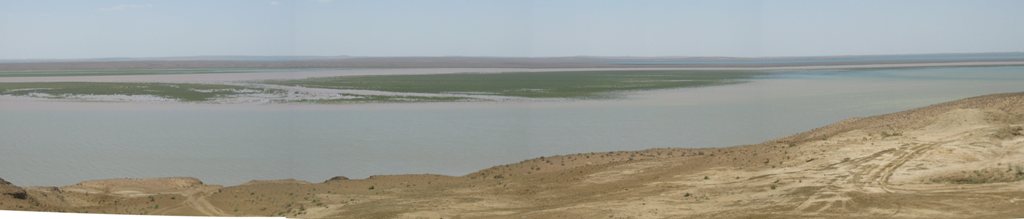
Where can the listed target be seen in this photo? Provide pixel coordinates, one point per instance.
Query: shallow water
(56, 143)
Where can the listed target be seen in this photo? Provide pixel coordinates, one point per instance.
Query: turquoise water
(63, 143)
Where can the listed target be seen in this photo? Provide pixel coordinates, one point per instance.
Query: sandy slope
(960, 159)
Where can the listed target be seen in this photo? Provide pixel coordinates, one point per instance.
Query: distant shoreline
(285, 74)
(603, 62)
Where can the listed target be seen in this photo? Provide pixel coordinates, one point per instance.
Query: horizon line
(213, 57)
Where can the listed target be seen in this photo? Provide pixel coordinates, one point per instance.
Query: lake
(58, 143)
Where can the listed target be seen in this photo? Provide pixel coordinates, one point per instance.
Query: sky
(59, 29)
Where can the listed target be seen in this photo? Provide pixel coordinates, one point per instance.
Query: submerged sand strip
(286, 75)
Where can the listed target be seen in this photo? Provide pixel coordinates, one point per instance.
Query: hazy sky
(31, 29)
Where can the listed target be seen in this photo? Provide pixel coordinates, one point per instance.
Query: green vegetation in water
(183, 92)
(102, 72)
(566, 84)
(387, 99)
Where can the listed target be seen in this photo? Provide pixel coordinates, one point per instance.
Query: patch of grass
(567, 84)
(183, 92)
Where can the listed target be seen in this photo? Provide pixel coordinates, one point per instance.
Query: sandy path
(197, 200)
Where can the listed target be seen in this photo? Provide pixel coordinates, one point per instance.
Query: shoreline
(712, 102)
(911, 162)
(787, 137)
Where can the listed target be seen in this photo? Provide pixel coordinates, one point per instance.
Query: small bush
(990, 175)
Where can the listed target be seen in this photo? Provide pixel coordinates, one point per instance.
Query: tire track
(863, 177)
(197, 200)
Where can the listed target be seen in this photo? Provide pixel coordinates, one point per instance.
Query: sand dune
(961, 159)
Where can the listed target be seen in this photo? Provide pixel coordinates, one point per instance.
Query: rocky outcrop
(337, 179)
(10, 190)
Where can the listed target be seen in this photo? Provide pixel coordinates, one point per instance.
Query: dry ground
(963, 159)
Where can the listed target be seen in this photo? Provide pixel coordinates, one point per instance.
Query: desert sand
(961, 159)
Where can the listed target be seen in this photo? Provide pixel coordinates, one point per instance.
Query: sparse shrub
(1007, 132)
(886, 134)
(990, 175)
